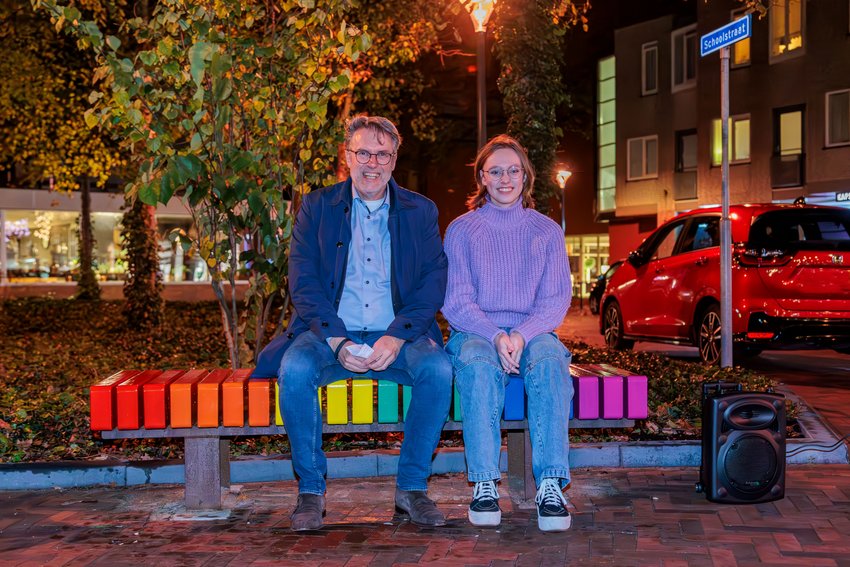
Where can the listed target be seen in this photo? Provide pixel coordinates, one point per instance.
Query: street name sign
(726, 35)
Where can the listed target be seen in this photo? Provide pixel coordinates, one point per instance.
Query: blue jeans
(545, 368)
(309, 363)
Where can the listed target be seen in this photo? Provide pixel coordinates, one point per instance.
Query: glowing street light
(480, 11)
(563, 176)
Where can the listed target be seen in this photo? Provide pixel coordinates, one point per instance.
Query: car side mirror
(636, 258)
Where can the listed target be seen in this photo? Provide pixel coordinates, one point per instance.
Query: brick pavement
(620, 517)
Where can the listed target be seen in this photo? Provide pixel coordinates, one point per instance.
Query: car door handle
(701, 261)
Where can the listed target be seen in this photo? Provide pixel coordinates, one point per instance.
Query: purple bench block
(637, 402)
(612, 397)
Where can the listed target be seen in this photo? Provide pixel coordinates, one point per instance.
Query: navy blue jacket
(318, 259)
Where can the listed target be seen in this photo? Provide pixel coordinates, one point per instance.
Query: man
(366, 268)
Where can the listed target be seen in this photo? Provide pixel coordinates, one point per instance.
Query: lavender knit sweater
(507, 268)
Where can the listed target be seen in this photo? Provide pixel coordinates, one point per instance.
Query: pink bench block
(637, 402)
(586, 397)
(612, 397)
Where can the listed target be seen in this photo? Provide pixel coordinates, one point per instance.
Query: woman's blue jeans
(309, 363)
(480, 380)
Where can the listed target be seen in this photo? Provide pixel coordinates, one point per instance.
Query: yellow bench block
(278, 418)
(361, 401)
(337, 393)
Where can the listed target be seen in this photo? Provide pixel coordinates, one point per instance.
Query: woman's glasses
(497, 172)
(363, 157)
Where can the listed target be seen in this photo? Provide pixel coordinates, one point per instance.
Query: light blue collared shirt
(366, 303)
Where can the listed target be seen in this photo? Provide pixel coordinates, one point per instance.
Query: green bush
(53, 350)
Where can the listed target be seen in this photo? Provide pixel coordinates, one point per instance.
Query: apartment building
(658, 114)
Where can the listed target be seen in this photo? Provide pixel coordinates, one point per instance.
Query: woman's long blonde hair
(502, 141)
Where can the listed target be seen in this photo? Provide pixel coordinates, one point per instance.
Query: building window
(739, 140)
(684, 60)
(788, 131)
(649, 68)
(606, 134)
(685, 177)
(786, 26)
(838, 118)
(643, 158)
(740, 49)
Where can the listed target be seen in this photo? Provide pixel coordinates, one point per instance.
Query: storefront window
(43, 246)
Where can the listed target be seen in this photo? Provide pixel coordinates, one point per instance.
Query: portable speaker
(743, 447)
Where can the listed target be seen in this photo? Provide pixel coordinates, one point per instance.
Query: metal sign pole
(725, 222)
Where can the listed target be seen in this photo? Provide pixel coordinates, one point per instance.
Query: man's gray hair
(377, 124)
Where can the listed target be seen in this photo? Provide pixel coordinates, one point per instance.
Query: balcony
(788, 171)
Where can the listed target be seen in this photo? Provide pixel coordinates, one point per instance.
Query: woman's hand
(505, 349)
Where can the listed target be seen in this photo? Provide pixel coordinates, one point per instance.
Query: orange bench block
(129, 399)
(233, 398)
(209, 394)
(102, 400)
(259, 402)
(182, 393)
(155, 399)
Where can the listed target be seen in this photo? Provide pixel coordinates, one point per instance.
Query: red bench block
(129, 399)
(183, 392)
(102, 400)
(233, 392)
(155, 399)
(209, 397)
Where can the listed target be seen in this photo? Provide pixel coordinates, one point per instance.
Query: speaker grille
(750, 463)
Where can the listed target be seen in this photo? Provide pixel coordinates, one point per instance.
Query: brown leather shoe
(421, 509)
(308, 513)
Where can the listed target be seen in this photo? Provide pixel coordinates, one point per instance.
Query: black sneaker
(552, 515)
(484, 509)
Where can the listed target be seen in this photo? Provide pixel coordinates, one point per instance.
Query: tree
(144, 307)
(528, 43)
(226, 104)
(44, 82)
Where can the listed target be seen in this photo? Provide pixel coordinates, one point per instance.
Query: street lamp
(480, 11)
(562, 177)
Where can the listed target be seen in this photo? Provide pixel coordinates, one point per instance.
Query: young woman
(508, 289)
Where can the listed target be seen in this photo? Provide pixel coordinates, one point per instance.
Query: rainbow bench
(206, 408)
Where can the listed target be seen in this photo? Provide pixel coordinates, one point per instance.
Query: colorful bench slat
(337, 402)
(387, 402)
(362, 405)
(183, 397)
(209, 396)
(128, 396)
(155, 399)
(259, 404)
(102, 400)
(233, 393)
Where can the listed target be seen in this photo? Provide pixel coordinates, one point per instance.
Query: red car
(790, 282)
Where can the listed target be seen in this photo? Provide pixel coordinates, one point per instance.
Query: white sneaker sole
(554, 523)
(488, 519)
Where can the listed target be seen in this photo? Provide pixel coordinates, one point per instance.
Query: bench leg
(520, 474)
(207, 470)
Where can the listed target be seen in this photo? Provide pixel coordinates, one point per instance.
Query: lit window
(684, 61)
(606, 129)
(838, 118)
(739, 140)
(649, 68)
(643, 158)
(788, 132)
(786, 26)
(740, 49)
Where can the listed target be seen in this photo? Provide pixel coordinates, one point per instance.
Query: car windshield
(802, 229)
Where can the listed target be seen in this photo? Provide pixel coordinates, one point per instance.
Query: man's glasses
(363, 157)
(497, 172)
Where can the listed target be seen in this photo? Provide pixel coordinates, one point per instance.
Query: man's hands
(385, 351)
(509, 349)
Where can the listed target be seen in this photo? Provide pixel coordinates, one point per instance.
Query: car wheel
(594, 304)
(708, 335)
(612, 328)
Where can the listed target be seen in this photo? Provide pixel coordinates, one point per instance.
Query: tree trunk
(87, 288)
(144, 307)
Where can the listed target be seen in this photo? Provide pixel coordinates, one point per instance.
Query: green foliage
(144, 306)
(225, 103)
(528, 43)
